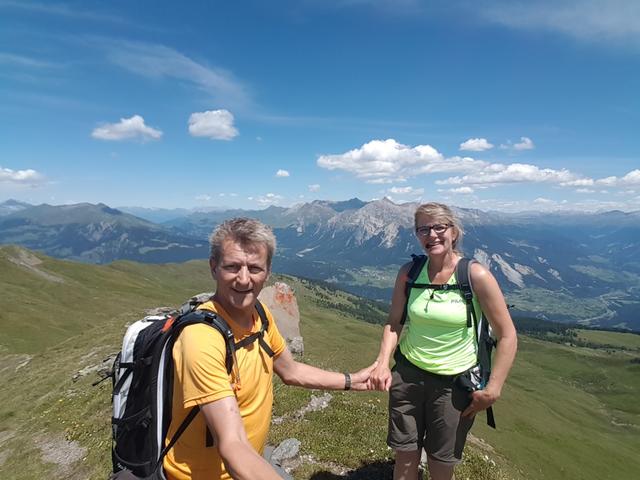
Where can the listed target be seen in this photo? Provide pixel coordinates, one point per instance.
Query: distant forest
(564, 332)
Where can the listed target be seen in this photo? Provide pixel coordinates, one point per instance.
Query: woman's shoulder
(477, 268)
(404, 269)
(480, 275)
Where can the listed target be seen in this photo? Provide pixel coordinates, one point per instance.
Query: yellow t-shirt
(200, 377)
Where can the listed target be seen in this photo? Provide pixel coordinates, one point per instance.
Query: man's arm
(302, 375)
(225, 424)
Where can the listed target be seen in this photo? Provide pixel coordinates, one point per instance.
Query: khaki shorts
(425, 412)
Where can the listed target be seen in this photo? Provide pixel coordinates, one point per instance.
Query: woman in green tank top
(425, 409)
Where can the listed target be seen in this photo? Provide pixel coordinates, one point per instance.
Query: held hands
(361, 379)
(481, 400)
(381, 377)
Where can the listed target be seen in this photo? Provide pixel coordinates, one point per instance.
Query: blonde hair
(442, 213)
(245, 231)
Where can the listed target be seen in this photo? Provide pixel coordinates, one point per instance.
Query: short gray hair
(245, 231)
(442, 213)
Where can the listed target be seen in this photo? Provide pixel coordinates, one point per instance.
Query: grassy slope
(36, 313)
(570, 412)
(626, 340)
(564, 411)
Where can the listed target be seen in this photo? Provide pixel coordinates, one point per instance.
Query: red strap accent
(168, 323)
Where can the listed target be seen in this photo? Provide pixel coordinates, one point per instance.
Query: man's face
(240, 275)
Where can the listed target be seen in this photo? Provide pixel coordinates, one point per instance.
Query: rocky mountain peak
(380, 218)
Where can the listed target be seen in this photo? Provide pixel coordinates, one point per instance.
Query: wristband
(347, 381)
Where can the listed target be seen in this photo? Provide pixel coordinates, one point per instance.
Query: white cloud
(631, 179)
(61, 9)
(585, 190)
(269, 199)
(314, 188)
(588, 204)
(603, 21)
(385, 161)
(525, 144)
(461, 190)
(213, 124)
(203, 198)
(543, 201)
(282, 173)
(498, 173)
(158, 61)
(28, 177)
(23, 61)
(580, 182)
(607, 181)
(476, 145)
(406, 191)
(127, 128)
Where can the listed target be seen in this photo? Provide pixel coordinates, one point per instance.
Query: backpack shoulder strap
(264, 319)
(223, 327)
(463, 278)
(418, 263)
(263, 315)
(213, 320)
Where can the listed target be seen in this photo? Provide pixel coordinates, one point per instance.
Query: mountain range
(565, 266)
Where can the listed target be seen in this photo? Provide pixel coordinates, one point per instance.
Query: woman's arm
(381, 375)
(494, 308)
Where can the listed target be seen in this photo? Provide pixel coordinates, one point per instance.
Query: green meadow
(566, 412)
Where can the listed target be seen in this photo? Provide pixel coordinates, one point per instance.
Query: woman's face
(435, 234)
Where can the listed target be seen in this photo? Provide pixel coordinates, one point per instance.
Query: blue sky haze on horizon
(491, 104)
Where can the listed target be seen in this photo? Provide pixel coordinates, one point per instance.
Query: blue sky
(508, 105)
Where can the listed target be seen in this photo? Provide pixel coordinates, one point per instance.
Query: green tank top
(436, 336)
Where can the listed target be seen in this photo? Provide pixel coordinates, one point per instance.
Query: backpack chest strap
(435, 286)
(259, 336)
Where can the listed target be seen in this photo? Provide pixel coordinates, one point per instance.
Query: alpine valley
(570, 267)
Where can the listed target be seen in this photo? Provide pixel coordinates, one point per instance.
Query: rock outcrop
(281, 300)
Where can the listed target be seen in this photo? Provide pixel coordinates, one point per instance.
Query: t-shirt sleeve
(199, 355)
(276, 340)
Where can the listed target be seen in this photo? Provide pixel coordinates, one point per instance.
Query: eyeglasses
(438, 228)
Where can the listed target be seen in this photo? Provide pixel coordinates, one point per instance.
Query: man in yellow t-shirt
(226, 439)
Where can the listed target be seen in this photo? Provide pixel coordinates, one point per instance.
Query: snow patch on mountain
(555, 273)
(508, 271)
(523, 244)
(482, 257)
(302, 252)
(527, 270)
